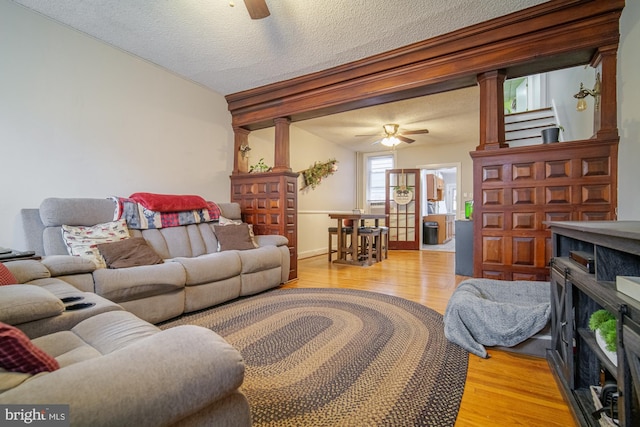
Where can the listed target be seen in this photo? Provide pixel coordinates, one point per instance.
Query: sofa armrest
(27, 270)
(271, 240)
(63, 265)
(155, 381)
(27, 303)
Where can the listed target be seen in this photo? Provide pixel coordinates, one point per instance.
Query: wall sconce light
(583, 93)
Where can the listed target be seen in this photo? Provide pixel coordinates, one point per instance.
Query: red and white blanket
(140, 217)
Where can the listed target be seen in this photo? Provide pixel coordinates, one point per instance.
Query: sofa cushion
(126, 284)
(9, 380)
(109, 332)
(211, 267)
(67, 348)
(19, 354)
(83, 240)
(6, 276)
(128, 253)
(26, 303)
(234, 237)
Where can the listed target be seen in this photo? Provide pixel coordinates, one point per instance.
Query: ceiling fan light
(390, 141)
(390, 129)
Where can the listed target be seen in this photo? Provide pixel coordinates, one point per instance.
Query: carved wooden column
(240, 161)
(605, 118)
(492, 110)
(281, 160)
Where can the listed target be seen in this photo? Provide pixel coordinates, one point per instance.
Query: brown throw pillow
(233, 236)
(131, 252)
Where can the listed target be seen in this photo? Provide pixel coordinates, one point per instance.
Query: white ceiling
(220, 47)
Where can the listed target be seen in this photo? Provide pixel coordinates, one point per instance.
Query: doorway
(441, 208)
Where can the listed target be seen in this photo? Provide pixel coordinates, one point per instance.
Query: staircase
(524, 128)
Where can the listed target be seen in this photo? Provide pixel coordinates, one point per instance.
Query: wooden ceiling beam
(553, 35)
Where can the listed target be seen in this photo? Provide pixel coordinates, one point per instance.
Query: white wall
(561, 86)
(335, 193)
(629, 113)
(79, 118)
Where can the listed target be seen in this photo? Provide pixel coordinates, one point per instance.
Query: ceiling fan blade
(257, 8)
(415, 132)
(405, 139)
(371, 134)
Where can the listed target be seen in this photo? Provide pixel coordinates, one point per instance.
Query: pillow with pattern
(83, 240)
(6, 276)
(19, 354)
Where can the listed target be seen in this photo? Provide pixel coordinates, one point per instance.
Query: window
(376, 167)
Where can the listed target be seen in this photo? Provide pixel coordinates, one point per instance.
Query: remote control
(16, 254)
(70, 299)
(80, 306)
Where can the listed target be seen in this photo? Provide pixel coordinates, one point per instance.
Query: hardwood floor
(505, 390)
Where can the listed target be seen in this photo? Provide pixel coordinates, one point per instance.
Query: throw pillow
(6, 276)
(226, 221)
(83, 241)
(169, 202)
(129, 253)
(19, 354)
(233, 236)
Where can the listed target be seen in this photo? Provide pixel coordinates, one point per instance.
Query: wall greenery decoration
(313, 175)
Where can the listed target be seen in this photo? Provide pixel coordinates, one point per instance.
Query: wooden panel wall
(516, 190)
(269, 201)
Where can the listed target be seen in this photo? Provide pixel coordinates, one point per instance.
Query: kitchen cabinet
(435, 188)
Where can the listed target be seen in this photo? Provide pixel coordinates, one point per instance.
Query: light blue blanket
(483, 312)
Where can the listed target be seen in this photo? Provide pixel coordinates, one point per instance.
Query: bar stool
(384, 242)
(370, 244)
(333, 231)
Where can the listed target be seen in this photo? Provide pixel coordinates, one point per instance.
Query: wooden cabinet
(575, 358)
(269, 201)
(446, 226)
(435, 188)
(517, 189)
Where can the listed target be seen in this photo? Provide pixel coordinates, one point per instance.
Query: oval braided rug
(329, 357)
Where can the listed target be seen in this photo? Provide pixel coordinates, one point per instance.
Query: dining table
(358, 220)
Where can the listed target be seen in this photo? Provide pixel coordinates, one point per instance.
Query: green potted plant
(261, 166)
(605, 327)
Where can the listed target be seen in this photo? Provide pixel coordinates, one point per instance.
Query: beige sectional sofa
(115, 368)
(195, 275)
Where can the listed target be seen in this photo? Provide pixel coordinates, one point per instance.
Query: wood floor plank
(505, 389)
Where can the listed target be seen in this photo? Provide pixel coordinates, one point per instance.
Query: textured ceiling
(220, 47)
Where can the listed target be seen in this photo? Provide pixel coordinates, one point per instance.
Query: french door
(402, 207)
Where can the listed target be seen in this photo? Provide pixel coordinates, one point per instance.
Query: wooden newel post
(281, 158)
(240, 158)
(492, 110)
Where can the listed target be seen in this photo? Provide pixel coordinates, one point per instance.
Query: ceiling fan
(257, 8)
(392, 136)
